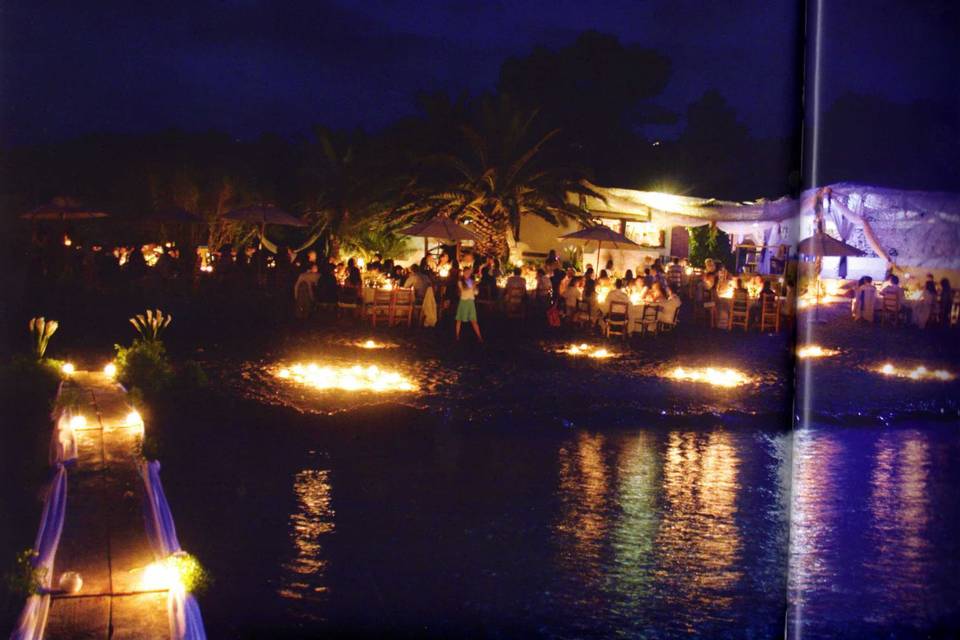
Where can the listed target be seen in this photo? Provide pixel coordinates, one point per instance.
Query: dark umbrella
(63, 209)
(601, 234)
(262, 215)
(440, 228)
(820, 245)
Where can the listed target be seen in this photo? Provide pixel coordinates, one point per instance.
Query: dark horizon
(248, 69)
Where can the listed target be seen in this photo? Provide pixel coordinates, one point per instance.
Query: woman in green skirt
(467, 307)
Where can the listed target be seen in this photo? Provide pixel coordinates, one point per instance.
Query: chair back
(740, 301)
(768, 303)
(650, 313)
(382, 297)
(891, 302)
(675, 279)
(618, 312)
(405, 297)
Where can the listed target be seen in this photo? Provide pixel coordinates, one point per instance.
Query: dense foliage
(709, 242)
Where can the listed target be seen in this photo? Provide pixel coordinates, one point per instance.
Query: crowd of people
(458, 281)
(932, 307)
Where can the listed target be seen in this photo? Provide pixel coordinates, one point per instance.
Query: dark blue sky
(246, 67)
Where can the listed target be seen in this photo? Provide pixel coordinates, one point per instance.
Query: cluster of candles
(815, 351)
(355, 378)
(917, 373)
(372, 344)
(719, 377)
(589, 351)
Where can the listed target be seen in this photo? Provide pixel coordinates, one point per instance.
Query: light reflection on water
(871, 552)
(638, 533)
(646, 535)
(310, 524)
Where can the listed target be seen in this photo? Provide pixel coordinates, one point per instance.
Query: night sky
(247, 67)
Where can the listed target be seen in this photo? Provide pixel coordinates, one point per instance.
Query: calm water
(416, 529)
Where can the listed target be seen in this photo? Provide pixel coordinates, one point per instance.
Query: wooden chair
(739, 311)
(403, 307)
(581, 314)
(648, 320)
(382, 306)
(665, 327)
(513, 303)
(348, 300)
(616, 320)
(890, 309)
(769, 312)
(675, 280)
(707, 308)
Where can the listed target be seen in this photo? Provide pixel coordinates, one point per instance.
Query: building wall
(538, 237)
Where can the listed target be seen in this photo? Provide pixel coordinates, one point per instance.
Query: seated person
(516, 281)
(417, 281)
(617, 294)
(864, 299)
(572, 293)
(668, 308)
(893, 289)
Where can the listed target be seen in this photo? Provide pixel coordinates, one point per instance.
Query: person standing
(467, 307)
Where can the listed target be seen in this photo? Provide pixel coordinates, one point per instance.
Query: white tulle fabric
(182, 608)
(33, 618)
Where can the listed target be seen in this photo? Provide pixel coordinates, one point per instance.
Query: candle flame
(355, 378)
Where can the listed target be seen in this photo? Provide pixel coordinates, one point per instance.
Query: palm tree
(348, 188)
(501, 174)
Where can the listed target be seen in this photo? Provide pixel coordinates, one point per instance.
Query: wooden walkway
(104, 538)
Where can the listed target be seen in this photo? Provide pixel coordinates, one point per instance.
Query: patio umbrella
(442, 229)
(821, 245)
(262, 215)
(601, 234)
(63, 209)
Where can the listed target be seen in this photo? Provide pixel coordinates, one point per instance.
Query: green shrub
(144, 365)
(25, 381)
(709, 242)
(23, 579)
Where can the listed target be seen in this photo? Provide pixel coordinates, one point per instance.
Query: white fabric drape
(428, 311)
(183, 612)
(63, 444)
(33, 618)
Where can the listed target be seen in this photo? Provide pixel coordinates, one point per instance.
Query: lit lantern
(68, 368)
(70, 582)
(110, 370)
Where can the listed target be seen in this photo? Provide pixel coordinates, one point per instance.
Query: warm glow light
(78, 422)
(583, 349)
(133, 419)
(720, 377)
(68, 368)
(161, 575)
(443, 270)
(67, 241)
(355, 378)
(602, 294)
(917, 373)
(110, 370)
(815, 351)
(373, 344)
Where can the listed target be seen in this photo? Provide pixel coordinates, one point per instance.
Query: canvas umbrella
(442, 229)
(262, 215)
(63, 209)
(821, 245)
(601, 234)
